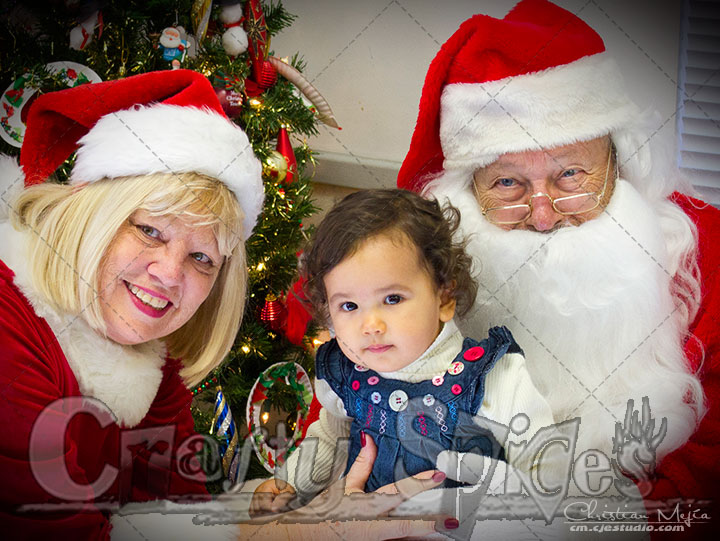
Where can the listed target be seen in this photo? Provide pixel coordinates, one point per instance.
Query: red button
(456, 389)
(473, 354)
(355, 385)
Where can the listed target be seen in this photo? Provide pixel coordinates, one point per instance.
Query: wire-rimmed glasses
(567, 205)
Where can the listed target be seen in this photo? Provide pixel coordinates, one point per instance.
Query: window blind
(699, 97)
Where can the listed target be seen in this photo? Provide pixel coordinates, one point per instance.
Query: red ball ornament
(273, 314)
(268, 75)
(230, 101)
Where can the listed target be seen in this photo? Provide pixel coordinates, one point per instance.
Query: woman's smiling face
(156, 273)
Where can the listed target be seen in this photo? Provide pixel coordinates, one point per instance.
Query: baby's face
(384, 305)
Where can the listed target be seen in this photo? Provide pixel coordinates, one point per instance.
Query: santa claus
(585, 243)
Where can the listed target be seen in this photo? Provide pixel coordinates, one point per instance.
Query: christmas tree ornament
(268, 75)
(23, 91)
(273, 313)
(234, 39)
(82, 34)
(275, 167)
(285, 148)
(191, 49)
(200, 15)
(257, 34)
(224, 427)
(294, 376)
(277, 424)
(172, 45)
(298, 317)
(325, 114)
(231, 101)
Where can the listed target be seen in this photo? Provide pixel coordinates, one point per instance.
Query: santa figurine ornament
(173, 44)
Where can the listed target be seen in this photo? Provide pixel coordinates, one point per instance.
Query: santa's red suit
(35, 373)
(693, 471)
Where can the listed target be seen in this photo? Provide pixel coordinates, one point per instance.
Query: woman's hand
(344, 511)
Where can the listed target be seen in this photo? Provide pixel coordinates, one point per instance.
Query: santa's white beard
(592, 309)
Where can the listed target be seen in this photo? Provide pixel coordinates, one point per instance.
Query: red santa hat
(538, 78)
(157, 122)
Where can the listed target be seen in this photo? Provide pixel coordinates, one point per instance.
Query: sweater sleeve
(332, 424)
(509, 391)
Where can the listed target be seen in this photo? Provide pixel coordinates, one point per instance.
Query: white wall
(369, 59)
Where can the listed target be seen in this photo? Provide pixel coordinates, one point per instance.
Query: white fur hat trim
(550, 108)
(136, 141)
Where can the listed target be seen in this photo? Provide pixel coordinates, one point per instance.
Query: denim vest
(412, 423)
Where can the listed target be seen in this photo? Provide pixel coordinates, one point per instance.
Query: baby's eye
(201, 258)
(348, 306)
(149, 231)
(393, 299)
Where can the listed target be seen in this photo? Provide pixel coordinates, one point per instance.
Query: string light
(204, 386)
(245, 349)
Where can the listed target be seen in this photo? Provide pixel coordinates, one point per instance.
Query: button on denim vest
(412, 423)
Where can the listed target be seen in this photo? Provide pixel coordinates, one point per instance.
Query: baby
(384, 272)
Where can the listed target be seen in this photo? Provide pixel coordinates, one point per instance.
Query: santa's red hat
(157, 122)
(538, 78)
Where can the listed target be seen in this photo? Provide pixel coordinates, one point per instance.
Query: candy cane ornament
(325, 114)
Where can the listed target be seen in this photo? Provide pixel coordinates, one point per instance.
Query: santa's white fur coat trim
(125, 378)
(555, 107)
(136, 141)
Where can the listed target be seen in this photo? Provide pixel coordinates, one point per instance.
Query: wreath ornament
(293, 375)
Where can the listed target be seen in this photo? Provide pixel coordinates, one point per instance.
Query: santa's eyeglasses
(566, 205)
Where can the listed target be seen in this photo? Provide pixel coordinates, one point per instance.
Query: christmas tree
(49, 45)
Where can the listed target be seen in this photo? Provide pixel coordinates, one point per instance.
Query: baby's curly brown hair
(368, 213)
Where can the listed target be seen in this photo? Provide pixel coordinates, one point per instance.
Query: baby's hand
(272, 496)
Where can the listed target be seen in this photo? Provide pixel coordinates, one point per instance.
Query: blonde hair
(74, 226)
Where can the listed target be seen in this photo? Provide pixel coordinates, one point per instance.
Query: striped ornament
(225, 428)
